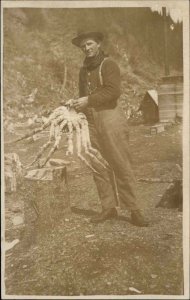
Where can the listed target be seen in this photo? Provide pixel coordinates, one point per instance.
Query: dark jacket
(101, 96)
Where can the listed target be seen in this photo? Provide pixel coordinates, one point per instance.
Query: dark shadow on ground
(81, 211)
(89, 213)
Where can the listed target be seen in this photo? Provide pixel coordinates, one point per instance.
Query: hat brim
(93, 35)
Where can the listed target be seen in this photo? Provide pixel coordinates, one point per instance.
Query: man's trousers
(109, 134)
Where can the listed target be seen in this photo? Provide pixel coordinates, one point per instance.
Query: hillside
(39, 59)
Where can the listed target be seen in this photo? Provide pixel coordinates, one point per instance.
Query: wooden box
(170, 98)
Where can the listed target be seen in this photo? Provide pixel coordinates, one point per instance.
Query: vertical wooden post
(166, 63)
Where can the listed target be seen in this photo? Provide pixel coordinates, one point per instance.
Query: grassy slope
(38, 53)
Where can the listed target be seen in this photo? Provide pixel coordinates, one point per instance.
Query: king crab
(65, 118)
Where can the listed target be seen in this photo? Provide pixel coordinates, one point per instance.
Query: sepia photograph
(95, 149)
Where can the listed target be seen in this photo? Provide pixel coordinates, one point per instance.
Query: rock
(17, 220)
(24, 266)
(153, 276)
(11, 128)
(44, 119)
(173, 196)
(157, 129)
(30, 121)
(21, 116)
(89, 236)
(132, 289)
(31, 98)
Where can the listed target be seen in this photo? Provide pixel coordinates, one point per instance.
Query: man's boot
(137, 219)
(106, 214)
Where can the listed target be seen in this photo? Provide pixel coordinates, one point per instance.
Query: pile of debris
(13, 172)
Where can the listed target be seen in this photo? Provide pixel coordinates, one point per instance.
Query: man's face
(90, 47)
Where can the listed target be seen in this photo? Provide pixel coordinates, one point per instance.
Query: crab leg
(58, 132)
(86, 135)
(62, 125)
(79, 137)
(59, 113)
(99, 157)
(59, 119)
(54, 129)
(87, 145)
(70, 138)
(95, 151)
(35, 131)
(46, 145)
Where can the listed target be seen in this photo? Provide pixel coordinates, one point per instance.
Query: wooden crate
(179, 99)
(156, 129)
(170, 98)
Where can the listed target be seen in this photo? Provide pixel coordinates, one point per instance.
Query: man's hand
(68, 102)
(80, 103)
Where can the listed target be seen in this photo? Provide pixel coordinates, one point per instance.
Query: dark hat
(84, 35)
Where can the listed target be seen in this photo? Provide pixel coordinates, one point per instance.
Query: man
(99, 90)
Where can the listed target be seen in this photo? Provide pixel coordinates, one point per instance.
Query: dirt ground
(70, 256)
